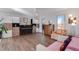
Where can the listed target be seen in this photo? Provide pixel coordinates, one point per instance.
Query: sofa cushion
(55, 46)
(74, 44)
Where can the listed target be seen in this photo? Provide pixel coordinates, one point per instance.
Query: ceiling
(29, 11)
(49, 11)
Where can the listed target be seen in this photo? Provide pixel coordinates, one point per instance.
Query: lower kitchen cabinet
(15, 31)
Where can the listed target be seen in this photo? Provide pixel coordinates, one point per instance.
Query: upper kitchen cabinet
(35, 21)
(15, 19)
(7, 19)
(25, 21)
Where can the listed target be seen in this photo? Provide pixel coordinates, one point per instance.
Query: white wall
(71, 29)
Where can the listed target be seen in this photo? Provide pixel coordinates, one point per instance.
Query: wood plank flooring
(25, 43)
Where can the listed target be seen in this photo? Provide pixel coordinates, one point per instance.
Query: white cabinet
(8, 34)
(15, 20)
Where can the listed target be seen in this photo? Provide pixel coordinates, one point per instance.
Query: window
(60, 21)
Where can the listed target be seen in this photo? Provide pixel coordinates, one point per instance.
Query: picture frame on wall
(72, 20)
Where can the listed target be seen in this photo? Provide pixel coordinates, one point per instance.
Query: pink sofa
(55, 46)
(74, 44)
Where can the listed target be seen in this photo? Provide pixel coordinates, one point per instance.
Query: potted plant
(2, 28)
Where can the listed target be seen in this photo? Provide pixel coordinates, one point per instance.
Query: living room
(64, 24)
(38, 29)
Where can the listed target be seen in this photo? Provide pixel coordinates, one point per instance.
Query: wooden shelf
(47, 30)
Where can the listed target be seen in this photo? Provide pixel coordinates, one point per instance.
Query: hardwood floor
(25, 43)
